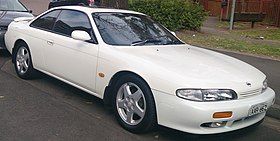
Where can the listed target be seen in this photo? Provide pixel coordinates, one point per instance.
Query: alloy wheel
(22, 60)
(131, 103)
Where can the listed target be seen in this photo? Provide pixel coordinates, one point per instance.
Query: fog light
(222, 115)
(214, 124)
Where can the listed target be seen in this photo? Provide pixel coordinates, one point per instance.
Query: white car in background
(144, 71)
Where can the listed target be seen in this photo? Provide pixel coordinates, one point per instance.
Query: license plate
(257, 109)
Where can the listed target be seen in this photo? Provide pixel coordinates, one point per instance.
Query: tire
(23, 62)
(134, 105)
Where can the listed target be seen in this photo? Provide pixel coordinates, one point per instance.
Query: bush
(173, 14)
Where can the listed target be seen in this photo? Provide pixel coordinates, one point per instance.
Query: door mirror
(30, 11)
(80, 35)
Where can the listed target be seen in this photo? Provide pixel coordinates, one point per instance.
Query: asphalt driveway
(48, 109)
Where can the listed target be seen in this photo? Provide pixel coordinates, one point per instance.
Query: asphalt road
(48, 109)
(269, 67)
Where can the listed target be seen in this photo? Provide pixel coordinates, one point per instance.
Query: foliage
(173, 14)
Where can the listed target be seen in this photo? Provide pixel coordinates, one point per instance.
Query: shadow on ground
(161, 133)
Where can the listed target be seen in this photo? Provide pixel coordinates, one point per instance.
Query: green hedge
(174, 14)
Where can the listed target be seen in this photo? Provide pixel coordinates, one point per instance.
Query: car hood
(6, 17)
(193, 67)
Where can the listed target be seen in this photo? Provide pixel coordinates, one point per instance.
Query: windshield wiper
(161, 36)
(176, 42)
(144, 42)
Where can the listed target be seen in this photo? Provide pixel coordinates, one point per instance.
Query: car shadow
(171, 134)
(161, 133)
(4, 56)
(4, 53)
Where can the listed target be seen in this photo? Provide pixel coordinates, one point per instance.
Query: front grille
(250, 93)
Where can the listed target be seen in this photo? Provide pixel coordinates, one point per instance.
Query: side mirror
(173, 33)
(80, 35)
(30, 11)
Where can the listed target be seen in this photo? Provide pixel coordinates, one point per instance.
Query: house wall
(37, 6)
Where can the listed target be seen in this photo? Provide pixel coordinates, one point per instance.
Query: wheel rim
(22, 60)
(131, 103)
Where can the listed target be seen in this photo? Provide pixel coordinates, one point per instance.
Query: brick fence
(270, 7)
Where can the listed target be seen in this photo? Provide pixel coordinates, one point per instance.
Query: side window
(70, 20)
(46, 21)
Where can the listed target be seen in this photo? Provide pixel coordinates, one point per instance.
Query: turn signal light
(222, 115)
(101, 74)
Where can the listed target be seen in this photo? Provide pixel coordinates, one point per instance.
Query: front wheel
(23, 63)
(134, 104)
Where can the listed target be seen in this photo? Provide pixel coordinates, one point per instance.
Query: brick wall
(270, 7)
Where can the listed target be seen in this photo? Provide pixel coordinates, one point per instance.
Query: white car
(141, 69)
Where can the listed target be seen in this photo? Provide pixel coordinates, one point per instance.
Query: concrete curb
(274, 111)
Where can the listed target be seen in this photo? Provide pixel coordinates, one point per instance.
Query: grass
(244, 29)
(268, 34)
(221, 42)
(237, 25)
(263, 40)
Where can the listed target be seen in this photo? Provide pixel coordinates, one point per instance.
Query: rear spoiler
(27, 19)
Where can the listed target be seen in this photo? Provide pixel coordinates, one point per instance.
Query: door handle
(49, 42)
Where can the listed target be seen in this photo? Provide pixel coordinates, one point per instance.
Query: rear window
(46, 22)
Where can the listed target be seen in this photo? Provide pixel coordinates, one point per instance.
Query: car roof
(96, 10)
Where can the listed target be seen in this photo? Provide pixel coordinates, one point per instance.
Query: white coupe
(141, 69)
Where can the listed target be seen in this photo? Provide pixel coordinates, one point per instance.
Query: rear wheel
(134, 104)
(23, 63)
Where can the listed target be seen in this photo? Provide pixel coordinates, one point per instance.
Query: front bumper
(2, 42)
(188, 116)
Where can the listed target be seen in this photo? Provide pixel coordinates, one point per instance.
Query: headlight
(265, 85)
(206, 94)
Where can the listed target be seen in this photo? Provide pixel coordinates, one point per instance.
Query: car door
(70, 59)
(39, 30)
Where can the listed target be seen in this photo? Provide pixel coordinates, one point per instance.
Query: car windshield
(11, 5)
(126, 29)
